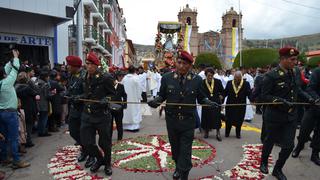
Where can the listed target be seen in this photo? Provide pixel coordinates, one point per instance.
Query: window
(189, 21)
(234, 23)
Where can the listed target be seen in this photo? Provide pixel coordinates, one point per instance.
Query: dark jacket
(120, 95)
(27, 96)
(75, 87)
(98, 87)
(182, 117)
(56, 100)
(278, 84)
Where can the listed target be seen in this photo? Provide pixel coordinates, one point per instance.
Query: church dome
(232, 11)
(187, 9)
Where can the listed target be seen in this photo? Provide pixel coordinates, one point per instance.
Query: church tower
(231, 21)
(189, 16)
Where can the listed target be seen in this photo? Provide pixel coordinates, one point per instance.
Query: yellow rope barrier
(205, 105)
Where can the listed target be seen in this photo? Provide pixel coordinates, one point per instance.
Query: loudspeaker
(70, 11)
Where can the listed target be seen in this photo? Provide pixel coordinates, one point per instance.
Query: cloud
(261, 18)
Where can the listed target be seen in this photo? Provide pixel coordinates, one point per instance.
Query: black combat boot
(264, 167)
(90, 161)
(176, 174)
(277, 172)
(315, 157)
(108, 170)
(218, 136)
(206, 134)
(297, 150)
(82, 157)
(96, 166)
(184, 175)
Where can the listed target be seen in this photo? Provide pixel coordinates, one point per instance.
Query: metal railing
(89, 31)
(102, 41)
(101, 9)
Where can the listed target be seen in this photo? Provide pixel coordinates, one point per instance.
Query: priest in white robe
(249, 110)
(132, 116)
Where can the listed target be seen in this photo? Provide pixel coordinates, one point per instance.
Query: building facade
(220, 43)
(189, 16)
(130, 54)
(103, 31)
(231, 21)
(33, 26)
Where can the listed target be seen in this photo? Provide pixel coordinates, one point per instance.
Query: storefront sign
(25, 40)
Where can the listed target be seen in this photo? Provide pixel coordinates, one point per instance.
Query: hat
(288, 51)
(184, 55)
(74, 61)
(92, 57)
(112, 69)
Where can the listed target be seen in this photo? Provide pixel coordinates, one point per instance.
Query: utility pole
(240, 33)
(267, 43)
(79, 27)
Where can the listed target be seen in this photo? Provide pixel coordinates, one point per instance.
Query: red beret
(92, 57)
(74, 61)
(184, 55)
(288, 51)
(112, 69)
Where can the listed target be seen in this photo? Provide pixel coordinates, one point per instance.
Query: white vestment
(249, 110)
(199, 108)
(132, 115)
(157, 79)
(143, 81)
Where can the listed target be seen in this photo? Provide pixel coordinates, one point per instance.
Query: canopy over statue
(169, 40)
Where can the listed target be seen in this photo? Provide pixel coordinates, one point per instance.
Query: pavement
(229, 153)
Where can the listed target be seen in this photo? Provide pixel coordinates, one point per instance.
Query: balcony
(92, 4)
(90, 34)
(102, 45)
(107, 5)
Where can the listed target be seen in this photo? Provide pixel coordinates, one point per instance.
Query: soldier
(311, 121)
(75, 89)
(181, 86)
(281, 85)
(96, 117)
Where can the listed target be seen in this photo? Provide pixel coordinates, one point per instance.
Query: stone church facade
(219, 43)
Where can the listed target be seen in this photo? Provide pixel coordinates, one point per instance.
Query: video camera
(7, 54)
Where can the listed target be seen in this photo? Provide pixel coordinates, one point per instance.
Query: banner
(235, 43)
(187, 37)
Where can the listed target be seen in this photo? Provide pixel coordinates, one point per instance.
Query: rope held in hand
(204, 105)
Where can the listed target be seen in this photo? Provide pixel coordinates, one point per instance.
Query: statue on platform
(168, 45)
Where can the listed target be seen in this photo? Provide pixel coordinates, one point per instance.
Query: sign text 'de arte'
(25, 40)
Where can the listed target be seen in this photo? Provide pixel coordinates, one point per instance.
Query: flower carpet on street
(152, 153)
(248, 167)
(64, 165)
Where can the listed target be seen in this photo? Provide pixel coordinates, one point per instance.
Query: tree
(314, 61)
(209, 59)
(259, 57)
(302, 57)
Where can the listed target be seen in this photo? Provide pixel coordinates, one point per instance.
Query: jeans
(42, 124)
(9, 127)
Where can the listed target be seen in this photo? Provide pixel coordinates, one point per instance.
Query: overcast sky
(261, 18)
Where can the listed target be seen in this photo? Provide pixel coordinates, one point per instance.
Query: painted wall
(54, 8)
